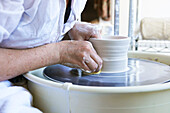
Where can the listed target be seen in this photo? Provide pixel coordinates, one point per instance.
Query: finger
(80, 38)
(84, 66)
(91, 46)
(95, 57)
(98, 61)
(79, 63)
(92, 65)
(96, 36)
(96, 32)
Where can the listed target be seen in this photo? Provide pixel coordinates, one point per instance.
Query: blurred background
(146, 22)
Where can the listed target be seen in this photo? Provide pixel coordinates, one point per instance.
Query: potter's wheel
(139, 72)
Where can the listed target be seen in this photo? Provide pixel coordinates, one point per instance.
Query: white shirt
(27, 24)
(31, 23)
(15, 99)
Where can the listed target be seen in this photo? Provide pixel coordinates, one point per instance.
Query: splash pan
(143, 88)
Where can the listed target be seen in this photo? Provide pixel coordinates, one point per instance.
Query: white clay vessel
(113, 51)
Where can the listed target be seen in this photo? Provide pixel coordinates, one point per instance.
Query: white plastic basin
(56, 97)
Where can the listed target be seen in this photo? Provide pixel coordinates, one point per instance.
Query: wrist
(60, 52)
(54, 53)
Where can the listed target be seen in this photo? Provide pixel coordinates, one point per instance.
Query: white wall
(154, 8)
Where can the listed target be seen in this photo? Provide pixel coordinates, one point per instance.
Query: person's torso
(43, 22)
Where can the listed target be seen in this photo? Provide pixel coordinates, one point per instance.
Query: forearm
(16, 62)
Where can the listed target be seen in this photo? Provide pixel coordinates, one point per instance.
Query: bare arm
(15, 62)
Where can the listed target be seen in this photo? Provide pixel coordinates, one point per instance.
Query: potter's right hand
(80, 53)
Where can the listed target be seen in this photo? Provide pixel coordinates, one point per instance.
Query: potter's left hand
(84, 31)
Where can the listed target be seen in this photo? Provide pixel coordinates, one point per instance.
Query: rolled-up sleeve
(10, 15)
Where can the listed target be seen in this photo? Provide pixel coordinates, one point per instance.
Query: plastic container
(57, 97)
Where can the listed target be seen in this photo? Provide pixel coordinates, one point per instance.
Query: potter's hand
(80, 53)
(84, 31)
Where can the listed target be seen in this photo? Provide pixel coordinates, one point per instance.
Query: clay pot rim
(111, 39)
